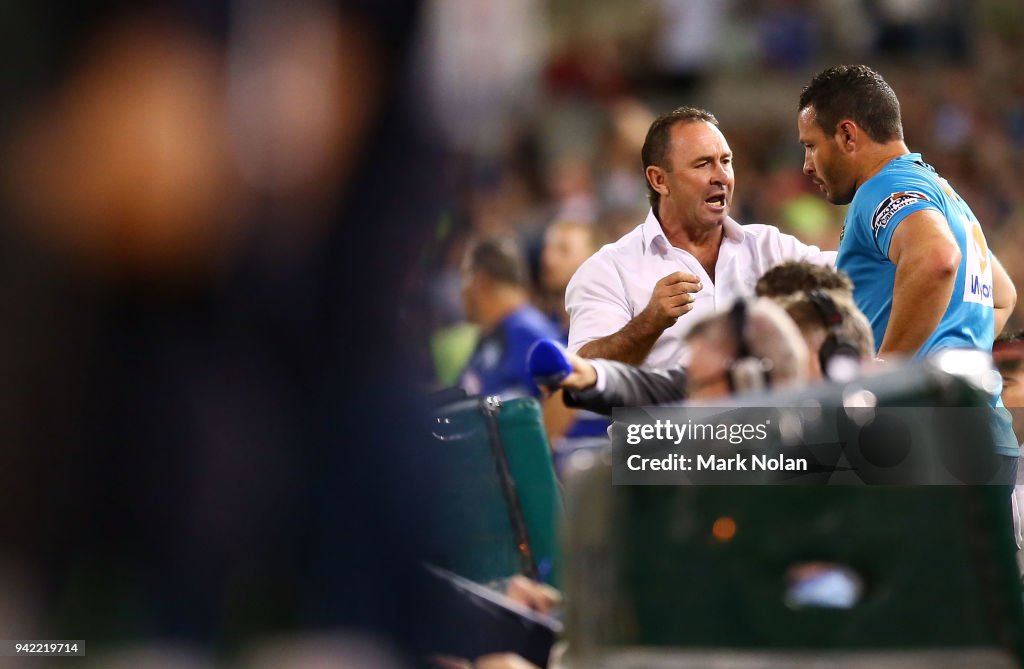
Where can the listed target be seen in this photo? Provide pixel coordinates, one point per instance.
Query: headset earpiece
(747, 372)
(836, 347)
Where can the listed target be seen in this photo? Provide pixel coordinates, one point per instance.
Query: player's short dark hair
(499, 258)
(856, 92)
(1008, 351)
(794, 276)
(655, 149)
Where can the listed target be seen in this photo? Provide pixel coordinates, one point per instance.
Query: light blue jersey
(905, 185)
(902, 187)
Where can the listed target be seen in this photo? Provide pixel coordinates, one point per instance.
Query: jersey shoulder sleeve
(889, 197)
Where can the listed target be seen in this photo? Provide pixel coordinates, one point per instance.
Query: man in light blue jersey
(921, 268)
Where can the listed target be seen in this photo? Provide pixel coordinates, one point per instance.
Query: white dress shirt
(615, 284)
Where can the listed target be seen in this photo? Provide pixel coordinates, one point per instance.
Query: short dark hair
(498, 258)
(855, 327)
(655, 149)
(856, 92)
(1008, 351)
(794, 276)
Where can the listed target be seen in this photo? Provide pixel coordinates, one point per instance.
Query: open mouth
(716, 201)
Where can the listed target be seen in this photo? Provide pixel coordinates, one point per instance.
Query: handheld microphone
(548, 363)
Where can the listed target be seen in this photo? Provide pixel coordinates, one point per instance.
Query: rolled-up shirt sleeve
(596, 302)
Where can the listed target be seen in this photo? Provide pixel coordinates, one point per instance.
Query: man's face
(824, 161)
(700, 179)
(565, 249)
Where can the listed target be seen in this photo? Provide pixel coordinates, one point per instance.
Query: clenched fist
(673, 296)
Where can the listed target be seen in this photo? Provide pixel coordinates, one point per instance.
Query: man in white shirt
(632, 300)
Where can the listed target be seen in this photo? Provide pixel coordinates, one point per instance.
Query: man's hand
(583, 374)
(533, 595)
(673, 296)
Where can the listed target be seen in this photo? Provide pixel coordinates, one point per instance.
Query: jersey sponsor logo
(978, 277)
(888, 207)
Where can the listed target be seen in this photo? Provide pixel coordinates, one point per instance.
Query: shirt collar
(733, 230)
(654, 236)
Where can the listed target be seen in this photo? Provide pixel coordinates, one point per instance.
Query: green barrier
(500, 508)
(656, 571)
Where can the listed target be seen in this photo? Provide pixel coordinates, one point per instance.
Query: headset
(837, 347)
(748, 372)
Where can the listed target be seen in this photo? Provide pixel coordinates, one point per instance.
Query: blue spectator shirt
(498, 364)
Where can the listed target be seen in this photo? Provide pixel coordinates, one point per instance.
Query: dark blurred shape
(209, 427)
(482, 621)
(126, 163)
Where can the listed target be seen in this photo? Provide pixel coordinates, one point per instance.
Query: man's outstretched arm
(602, 385)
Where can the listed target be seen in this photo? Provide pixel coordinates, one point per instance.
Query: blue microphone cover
(548, 363)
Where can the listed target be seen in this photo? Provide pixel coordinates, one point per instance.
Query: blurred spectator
(1008, 353)
(820, 302)
(752, 347)
(788, 36)
(837, 334)
(621, 185)
(686, 42)
(570, 181)
(792, 277)
(567, 244)
(496, 299)
(483, 63)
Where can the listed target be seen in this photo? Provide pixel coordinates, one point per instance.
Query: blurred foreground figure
(1008, 353)
(204, 439)
(567, 244)
(752, 347)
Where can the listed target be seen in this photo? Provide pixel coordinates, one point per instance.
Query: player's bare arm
(927, 258)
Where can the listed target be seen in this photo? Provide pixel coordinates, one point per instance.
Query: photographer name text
(738, 462)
